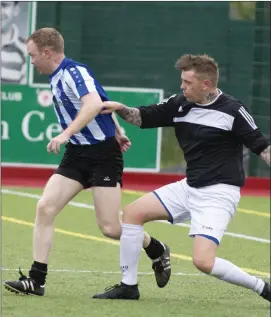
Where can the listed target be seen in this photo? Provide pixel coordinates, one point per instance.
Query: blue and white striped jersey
(69, 82)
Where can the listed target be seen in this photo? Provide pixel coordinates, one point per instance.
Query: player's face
(8, 11)
(193, 86)
(39, 59)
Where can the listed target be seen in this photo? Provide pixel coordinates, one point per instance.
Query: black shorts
(93, 165)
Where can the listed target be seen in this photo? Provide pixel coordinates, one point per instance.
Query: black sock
(155, 249)
(129, 286)
(38, 272)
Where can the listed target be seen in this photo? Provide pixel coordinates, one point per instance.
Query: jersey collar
(210, 103)
(62, 65)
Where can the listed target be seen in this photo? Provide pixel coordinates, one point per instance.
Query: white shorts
(210, 208)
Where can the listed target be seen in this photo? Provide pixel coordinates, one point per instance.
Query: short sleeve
(79, 80)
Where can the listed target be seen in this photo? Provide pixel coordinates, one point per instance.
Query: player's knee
(45, 210)
(203, 263)
(133, 216)
(111, 231)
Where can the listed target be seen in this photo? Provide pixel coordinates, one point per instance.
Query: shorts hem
(62, 172)
(161, 201)
(215, 240)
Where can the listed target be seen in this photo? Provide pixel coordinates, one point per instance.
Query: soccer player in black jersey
(211, 128)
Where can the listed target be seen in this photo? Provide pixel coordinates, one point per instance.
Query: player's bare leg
(204, 258)
(57, 193)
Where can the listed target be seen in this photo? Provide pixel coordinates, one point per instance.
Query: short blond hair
(47, 37)
(201, 64)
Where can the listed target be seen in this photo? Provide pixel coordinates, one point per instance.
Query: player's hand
(124, 142)
(55, 143)
(110, 106)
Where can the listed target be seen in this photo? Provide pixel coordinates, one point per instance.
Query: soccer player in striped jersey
(13, 48)
(211, 128)
(93, 158)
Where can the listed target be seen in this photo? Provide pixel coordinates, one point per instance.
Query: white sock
(131, 241)
(228, 272)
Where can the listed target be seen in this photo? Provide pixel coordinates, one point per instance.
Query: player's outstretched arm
(131, 115)
(265, 155)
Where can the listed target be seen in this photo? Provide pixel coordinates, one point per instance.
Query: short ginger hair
(47, 37)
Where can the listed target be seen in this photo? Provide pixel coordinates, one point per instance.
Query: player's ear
(207, 84)
(47, 52)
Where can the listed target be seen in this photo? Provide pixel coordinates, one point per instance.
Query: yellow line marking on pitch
(109, 241)
(67, 233)
(254, 212)
(242, 210)
(134, 192)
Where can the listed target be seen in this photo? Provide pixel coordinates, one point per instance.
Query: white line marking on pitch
(103, 272)
(109, 272)
(86, 206)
